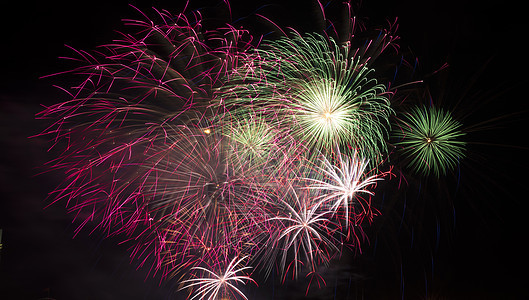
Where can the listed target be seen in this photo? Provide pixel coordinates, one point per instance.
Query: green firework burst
(252, 139)
(430, 139)
(320, 92)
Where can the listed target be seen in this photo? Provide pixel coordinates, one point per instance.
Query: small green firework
(321, 93)
(429, 139)
(251, 139)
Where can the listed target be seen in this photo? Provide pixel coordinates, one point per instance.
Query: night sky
(464, 241)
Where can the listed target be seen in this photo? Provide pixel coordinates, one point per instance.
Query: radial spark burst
(213, 285)
(344, 183)
(304, 237)
(430, 140)
(252, 140)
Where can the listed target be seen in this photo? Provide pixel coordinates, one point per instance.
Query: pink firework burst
(137, 139)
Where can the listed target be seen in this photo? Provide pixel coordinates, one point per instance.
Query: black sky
(483, 257)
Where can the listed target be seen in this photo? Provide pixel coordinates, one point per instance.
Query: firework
(213, 285)
(252, 142)
(344, 183)
(430, 139)
(303, 234)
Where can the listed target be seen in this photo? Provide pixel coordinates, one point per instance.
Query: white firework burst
(342, 183)
(304, 231)
(213, 285)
